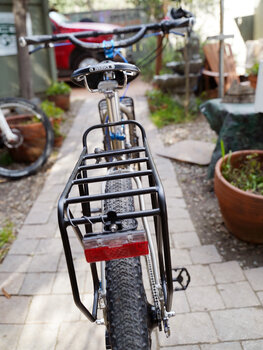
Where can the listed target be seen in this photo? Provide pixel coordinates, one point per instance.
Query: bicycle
(132, 199)
(26, 138)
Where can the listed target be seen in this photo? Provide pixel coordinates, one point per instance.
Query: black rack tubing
(113, 164)
(114, 153)
(111, 177)
(69, 184)
(120, 216)
(84, 190)
(110, 195)
(164, 245)
(73, 279)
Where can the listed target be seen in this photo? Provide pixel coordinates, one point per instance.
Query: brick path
(221, 310)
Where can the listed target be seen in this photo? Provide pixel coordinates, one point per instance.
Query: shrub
(248, 176)
(166, 110)
(51, 110)
(58, 88)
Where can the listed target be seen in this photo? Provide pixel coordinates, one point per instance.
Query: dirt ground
(201, 200)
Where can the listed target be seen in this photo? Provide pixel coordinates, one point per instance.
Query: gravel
(201, 200)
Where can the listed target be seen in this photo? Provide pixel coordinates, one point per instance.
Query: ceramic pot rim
(226, 183)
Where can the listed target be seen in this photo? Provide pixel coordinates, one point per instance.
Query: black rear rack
(70, 203)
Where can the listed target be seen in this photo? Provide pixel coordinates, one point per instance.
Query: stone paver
(11, 282)
(260, 296)
(38, 231)
(205, 254)
(238, 294)
(242, 324)
(188, 329)
(204, 298)
(78, 335)
(16, 263)
(44, 263)
(52, 309)
(180, 303)
(200, 275)
(14, 310)
(9, 335)
(62, 284)
(41, 337)
(221, 310)
(222, 346)
(253, 345)
(37, 283)
(24, 246)
(186, 347)
(181, 225)
(180, 257)
(255, 277)
(51, 245)
(227, 272)
(185, 240)
(39, 213)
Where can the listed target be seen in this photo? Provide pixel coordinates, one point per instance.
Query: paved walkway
(222, 310)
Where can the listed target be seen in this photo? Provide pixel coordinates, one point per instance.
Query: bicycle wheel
(35, 138)
(127, 321)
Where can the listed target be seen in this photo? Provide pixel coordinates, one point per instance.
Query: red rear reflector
(117, 245)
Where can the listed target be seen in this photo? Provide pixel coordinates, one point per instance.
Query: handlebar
(165, 26)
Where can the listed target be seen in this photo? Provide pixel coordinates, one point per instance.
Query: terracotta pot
(242, 211)
(61, 101)
(253, 80)
(58, 140)
(34, 136)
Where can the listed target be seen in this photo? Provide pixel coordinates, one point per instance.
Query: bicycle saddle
(92, 75)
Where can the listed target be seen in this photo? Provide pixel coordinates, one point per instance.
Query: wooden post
(187, 78)
(24, 64)
(158, 63)
(221, 52)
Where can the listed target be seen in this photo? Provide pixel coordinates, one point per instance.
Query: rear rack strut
(83, 225)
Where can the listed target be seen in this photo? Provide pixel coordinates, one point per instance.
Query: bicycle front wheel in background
(127, 321)
(34, 142)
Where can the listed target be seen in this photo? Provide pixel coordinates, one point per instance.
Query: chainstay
(155, 292)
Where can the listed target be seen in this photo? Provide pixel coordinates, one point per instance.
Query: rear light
(117, 245)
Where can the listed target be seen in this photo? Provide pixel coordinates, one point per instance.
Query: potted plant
(253, 75)
(34, 137)
(55, 114)
(59, 93)
(239, 190)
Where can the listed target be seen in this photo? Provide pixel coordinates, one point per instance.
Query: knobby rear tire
(126, 299)
(28, 107)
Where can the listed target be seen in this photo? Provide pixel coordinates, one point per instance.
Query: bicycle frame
(127, 156)
(7, 134)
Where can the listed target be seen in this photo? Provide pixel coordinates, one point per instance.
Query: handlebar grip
(36, 39)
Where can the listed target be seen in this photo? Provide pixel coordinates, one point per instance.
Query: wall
(43, 63)
(258, 24)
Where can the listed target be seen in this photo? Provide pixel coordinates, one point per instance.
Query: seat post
(113, 107)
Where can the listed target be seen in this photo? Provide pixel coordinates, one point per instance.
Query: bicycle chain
(155, 292)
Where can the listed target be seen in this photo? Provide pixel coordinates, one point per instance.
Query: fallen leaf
(7, 295)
